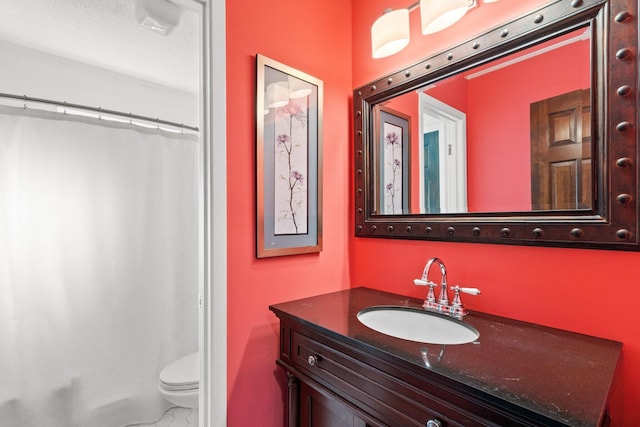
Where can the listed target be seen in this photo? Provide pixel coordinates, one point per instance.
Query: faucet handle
(457, 310)
(430, 301)
(470, 291)
(429, 283)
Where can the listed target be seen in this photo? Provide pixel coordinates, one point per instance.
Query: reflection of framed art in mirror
(393, 168)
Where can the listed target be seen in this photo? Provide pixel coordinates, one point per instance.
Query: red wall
(313, 36)
(588, 291)
(490, 97)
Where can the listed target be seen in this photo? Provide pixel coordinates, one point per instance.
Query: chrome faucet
(455, 309)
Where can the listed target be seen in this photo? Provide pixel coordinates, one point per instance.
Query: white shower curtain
(98, 267)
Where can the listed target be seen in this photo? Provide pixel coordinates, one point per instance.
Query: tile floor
(174, 417)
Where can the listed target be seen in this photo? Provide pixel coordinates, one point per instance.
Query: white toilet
(179, 381)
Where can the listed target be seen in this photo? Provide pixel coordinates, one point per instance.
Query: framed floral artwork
(391, 134)
(288, 160)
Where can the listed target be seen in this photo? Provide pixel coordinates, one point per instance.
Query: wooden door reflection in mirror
(561, 152)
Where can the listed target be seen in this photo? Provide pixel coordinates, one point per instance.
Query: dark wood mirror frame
(612, 223)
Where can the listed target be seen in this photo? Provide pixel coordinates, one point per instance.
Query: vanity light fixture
(436, 15)
(390, 32)
(159, 16)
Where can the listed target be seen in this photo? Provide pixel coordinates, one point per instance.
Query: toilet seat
(181, 375)
(187, 387)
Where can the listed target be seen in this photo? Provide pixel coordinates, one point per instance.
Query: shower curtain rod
(99, 110)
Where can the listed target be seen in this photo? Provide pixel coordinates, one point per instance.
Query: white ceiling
(104, 33)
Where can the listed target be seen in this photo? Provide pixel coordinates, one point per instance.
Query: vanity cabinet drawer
(321, 408)
(394, 402)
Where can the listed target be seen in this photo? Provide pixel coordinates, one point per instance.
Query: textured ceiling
(105, 33)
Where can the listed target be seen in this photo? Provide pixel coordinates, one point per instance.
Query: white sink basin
(418, 325)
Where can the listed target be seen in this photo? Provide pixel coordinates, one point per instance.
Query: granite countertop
(561, 375)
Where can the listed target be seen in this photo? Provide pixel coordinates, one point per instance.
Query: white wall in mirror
(450, 126)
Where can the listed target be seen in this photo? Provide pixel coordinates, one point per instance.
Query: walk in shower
(100, 211)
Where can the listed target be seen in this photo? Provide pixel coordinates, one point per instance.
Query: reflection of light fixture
(277, 94)
(390, 32)
(159, 16)
(298, 88)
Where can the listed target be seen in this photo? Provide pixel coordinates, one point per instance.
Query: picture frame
(392, 143)
(288, 160)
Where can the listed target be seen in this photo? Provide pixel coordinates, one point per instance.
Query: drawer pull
(312, 360)
(434, 423)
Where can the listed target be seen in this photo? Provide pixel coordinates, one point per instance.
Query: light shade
(277, 95)
(159, 16)
(436, 15)
(298, 88)
(390, 33)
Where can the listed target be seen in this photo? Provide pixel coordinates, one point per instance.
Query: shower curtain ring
(130, 118)
(25, 101)
(99, 113)
(182, 128)
(65, 108)
(157, 123)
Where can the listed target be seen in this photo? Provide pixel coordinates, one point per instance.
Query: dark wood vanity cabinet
(332, 384)
(338, 385)
(342, 374)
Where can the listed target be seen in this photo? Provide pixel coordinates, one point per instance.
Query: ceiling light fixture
(390, 32)
(159, 16)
